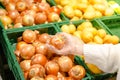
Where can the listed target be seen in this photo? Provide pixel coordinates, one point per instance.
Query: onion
(36, 70)
(18, 25)
(77, 72)
(34, 7)
(37, 78)
(20, 45)
(13, 14)
(57, 41)
(39, 59)
(25, 65)
(52, 68)
(21, 6)
(65, 63)
(41, 49)
(10, 7)
(18, 20)
(51, 77)
(27, 51)
(55, 9)
(44, 38)
(40, 18)
(28, 20)
(43, 6)
(52, 17)
(6, 20)
(3, 12)
(29, 36)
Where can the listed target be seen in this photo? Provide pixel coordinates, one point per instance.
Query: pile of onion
(19, 13)
(38, 63)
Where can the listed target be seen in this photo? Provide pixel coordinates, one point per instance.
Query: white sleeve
(106, 56)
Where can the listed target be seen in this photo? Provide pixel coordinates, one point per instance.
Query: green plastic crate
(9, 40)
(79, 60)
(112, 24)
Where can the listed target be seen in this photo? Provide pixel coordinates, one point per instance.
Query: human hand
(73, 45)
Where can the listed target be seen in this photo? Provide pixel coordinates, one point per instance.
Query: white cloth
(106, 57)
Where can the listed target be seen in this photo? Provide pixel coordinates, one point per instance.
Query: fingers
(53, 49)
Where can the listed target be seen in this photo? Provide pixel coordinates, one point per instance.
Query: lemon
(72, 28)
(77, 34)
(93, 68)
(65, 28)
(68, 11)
(86, 24)
(109, 12)
(114, 39)
(64, 2)
(101, 33)
(98, 39)
(107, 39)
(92, 30)
(78, 13)
(75, 18)
(98, 14)
(87, 36)
(89, 15)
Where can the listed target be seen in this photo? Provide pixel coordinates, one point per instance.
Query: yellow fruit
(109, 12)
(72, 28)
(75, 18)
(93, 68)
(82, 6)
(115, 39)
(65, 28)
(100, 7)
(57, 1)
(107, 39)
(84, 25)
(92, 30)
(98, 14)
(77, 34)
(91, 43)
(87, 36)
(89, 15)
(98, 40)
(117, 10)
(68, 11)
(101, 33)
(78, 13)
(64, 2)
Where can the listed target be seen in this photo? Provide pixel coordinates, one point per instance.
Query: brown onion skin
(36, 70)
(20, 45)
(39, 59)
(2, 12)
(13, 14)
(27, 51)
(21, 6)
(37, 78)
(41, 48)
(77, 72)
(57, 41)
(44, 37)
(28, 20)
(29, 36)
(65, 63)
(25, 65)
(40, 18)
(52, 68)
(51, 77)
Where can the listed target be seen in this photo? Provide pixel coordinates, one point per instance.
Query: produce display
(90, 35)
(39, 63)
(19, 13)
(84, 9)
(33, 20)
